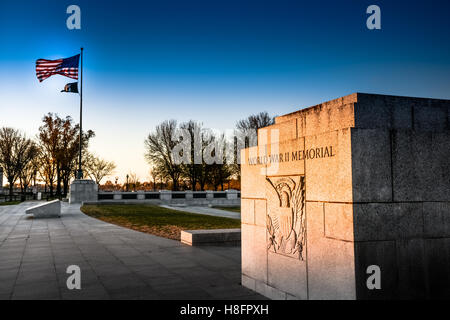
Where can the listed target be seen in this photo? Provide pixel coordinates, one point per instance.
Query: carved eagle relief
(286, 216)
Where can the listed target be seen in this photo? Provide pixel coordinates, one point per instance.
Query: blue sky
(213, 61)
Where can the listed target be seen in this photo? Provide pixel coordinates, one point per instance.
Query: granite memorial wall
(331, 190)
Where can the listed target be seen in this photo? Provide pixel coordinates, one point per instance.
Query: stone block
(254, 252)
(140, 195)
(384, 112)
(402, 265)
(260, 213)
(387, 221)
(189, 195)
(430, 116)
(291, 297)
(329, 117)
(286, 158)
(338, 220)
(329, 177)
(371, 111)
(382, 254)
(209, 194)
(117, 196)
(436, 218)
(278, 132)
(448, 114)
(420, 166)
(374, 177)
(165, 195)
(252, 175)
(301, 126)
(411, 266)
(269, 291)
(248, 211)
(211, 237)
(391, 112)
(371, 165)
(329, 106)
(248, 282)
(232, 194)
(331, 268)
(50, 209)
(83, 190)
(437, 253)
(288, 274)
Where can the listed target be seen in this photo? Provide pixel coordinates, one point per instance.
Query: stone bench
(50, 209)
(228, 237)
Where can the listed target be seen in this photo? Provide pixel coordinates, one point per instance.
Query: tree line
(50, 157)
(204, 155)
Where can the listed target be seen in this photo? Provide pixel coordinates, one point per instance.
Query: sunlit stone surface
(50, 209)
(335, 188)
(82, 191)
(211, 237)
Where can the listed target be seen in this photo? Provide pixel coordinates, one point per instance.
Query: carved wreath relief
(286, 216)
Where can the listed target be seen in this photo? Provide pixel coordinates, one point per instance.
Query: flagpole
(80, 171)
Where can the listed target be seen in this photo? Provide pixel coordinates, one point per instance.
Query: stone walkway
(206, 210)
(116, 263)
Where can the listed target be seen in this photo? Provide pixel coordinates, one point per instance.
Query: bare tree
(154, 174)
(246, 135)
(197, 171)
(59, 140)
(16, 151)
(47, 169)
(133, 180)
(159, 146)
(219, 172)
(50, 140)
(98, 168)
(190, 170)
(29, 172)
(255, 122)
(68, 153)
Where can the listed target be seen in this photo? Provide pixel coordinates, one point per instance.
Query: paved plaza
(115, 262)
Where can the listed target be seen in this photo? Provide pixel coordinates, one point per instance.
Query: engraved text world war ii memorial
(349, 188)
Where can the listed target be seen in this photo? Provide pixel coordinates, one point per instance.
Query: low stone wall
(221, 237)
(181, 198)
(50, 209)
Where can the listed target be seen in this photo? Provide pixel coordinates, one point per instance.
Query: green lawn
(159, 221)
(232, 209)
(9, 203)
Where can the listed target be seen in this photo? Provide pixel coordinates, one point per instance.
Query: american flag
(67, 67)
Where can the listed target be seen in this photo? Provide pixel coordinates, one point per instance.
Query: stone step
(50, 209)
(228, 237)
